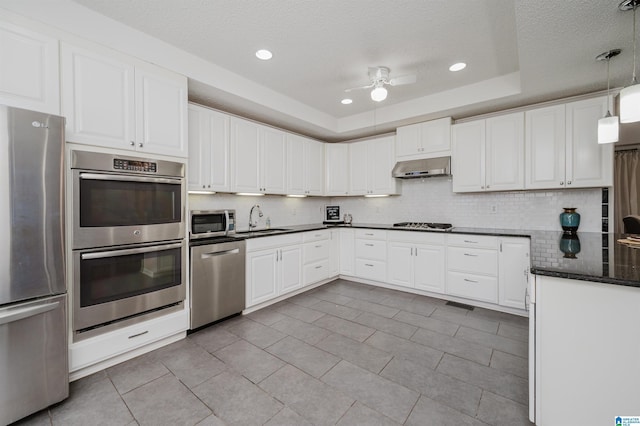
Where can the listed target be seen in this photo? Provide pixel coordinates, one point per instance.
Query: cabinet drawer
(477, 287)
(419, 237)
(371, 249)
(469, 240)
(108, 345)
(371, 269)
(315, 272)
(371, 234)
(321, 234)
(316, 251)
(477, 261)
(261, 243)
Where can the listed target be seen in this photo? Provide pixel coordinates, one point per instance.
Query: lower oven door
(113, 284)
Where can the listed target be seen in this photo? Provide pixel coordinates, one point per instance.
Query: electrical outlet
(494, 208)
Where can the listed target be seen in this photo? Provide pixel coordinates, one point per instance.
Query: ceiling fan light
(608, 129)
(379, 94)
(630, 104)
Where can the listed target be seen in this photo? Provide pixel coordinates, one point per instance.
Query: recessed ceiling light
(457, 67)
(346, 101)
(264, 54)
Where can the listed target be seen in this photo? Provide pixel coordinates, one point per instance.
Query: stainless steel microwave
(125, 200)
(211, 223)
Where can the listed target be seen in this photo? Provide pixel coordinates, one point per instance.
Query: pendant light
(608, 127)
(630, 95)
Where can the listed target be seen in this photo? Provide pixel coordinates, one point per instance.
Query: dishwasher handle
(219, 253)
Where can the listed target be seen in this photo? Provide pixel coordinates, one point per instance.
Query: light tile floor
(342, 354)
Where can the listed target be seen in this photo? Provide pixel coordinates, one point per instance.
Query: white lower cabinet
(472, 267)
(416, 260)
(334, 253)
(273, 267)
(347, 251)
(513, 272)
(371, 254)
(315, 256)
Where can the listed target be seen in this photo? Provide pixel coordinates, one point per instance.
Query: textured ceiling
(322, 47)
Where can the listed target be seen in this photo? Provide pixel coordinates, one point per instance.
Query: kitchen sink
(262, 231)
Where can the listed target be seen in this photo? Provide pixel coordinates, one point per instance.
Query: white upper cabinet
(468, 156)
(562, 149)
(305, 166)
(336, 169)
(544, 147)
(370, 165)
(29, 70)
(258, 158)
(424, 140)
(115, 101)
(208, 150)
(488, 155)
(588, 163)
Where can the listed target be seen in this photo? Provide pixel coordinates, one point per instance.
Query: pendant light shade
(630, 95)
(608, 126)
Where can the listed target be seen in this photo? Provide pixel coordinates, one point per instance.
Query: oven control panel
(135, 166)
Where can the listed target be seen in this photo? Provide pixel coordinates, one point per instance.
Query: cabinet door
(199, 149)
(468, 156)
(262, 276)
(29, 70)
(358, 168)
(513, 271)
(408, 140)
(334, 253)
(161, 111)
(290, 265)
(429, 268)
(544, 147)
(245, 156)
(98, 99)
(505, 152)
(274, 161)
(400, 260)
(337, 168)
(347, 251)
(588, 163)
(219, 151)
(295, 165)
(435, 137)
(381, 160)
(314, 170)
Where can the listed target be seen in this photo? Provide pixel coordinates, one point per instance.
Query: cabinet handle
(470, 281)
(318, 246)
(132, 143)
(369, 245)
(368, 264)
(138, 335)
(526, 299)
(370, 235)
(319, 267)
(471, 255)
(470, 242)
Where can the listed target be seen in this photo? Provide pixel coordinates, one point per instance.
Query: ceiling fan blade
(405, 79)
(368, 86)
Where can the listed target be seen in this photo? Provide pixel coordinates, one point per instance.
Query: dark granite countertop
(596, 257)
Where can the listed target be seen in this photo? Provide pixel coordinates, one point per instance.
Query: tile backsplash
(428, 200)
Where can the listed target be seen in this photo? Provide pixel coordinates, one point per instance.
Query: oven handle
(98, 176)
(113, 253)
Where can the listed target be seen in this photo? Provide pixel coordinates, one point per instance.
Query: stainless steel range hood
(428, 167)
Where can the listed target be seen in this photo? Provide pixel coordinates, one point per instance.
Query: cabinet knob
(487, 186)
(202, 186)
(568, 182)
(208, 186)
(140, 145)
(561, 183)
(132, 143)
(482, 187)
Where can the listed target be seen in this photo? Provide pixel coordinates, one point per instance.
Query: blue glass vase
(570, 220)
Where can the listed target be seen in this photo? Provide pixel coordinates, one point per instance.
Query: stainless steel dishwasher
(217, 280)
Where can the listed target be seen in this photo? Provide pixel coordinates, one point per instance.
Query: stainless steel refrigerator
(34, 369)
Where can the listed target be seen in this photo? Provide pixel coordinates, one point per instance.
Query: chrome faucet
(253, 224)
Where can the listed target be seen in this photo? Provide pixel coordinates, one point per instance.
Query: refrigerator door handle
(18, 314)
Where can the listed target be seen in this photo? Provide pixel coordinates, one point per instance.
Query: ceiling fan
(379, 77)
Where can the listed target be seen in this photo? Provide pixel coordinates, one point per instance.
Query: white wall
(428, 200)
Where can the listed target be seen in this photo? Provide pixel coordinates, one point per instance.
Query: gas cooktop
(424, 225)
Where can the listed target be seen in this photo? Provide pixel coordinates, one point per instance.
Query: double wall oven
(128, 236)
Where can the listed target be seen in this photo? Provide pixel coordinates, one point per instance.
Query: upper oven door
(114, 209)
